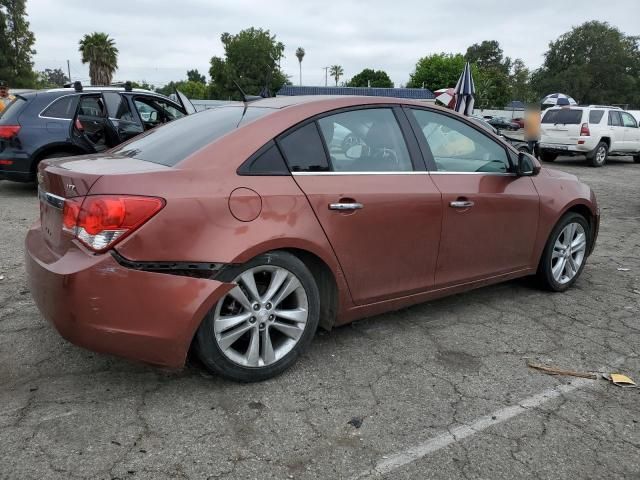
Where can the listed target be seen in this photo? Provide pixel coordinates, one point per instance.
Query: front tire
(565, 253)
(636, 158)
(258, 329)
(598, 157)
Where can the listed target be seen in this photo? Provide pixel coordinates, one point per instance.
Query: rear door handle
(461, 204)
(345, 206)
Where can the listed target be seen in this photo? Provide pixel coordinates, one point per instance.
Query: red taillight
(100, 221)
(584, 130)
(7, 132)
(79, 125)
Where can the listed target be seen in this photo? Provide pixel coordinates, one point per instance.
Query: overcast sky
(160, 39)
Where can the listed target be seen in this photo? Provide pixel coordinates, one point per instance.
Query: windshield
(177, 140)
(564, 116)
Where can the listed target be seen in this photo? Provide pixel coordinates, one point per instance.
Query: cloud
(159, 40)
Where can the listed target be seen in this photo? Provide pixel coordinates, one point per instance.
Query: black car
(74, 121)
(502, 123)
(521, 145)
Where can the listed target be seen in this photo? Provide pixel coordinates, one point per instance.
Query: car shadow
(18, 189)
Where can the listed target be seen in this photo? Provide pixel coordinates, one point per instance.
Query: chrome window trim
(54, 200)
(307, 174)
(51, 103)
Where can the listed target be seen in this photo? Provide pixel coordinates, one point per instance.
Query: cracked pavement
(409, 376)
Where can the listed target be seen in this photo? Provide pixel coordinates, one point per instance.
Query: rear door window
(595, 116)
(64, 107)
(304, 151)
(614, 119)
(564, 116)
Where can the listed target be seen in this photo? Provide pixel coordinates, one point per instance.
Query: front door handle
(345, 206)
(461, 204)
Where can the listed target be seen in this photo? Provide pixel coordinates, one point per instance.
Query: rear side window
(595, 116)
(64, 107)
(11, 111)
(304, 150)
(614, 119)
(173, 142)
(565, 116)
(266, 161)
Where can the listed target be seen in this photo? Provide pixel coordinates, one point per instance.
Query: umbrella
(465, 89)
(446, 96)
(558, 99)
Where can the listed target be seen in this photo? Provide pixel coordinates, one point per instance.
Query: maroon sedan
(237, 231)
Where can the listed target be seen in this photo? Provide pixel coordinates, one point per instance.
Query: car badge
(71, 187)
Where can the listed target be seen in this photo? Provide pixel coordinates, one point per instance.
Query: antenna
(246, 98)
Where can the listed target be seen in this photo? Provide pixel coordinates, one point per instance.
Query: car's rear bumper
(16, 166)
(570, 149)
(96, 303)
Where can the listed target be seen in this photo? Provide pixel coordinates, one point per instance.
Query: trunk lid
(561, 126)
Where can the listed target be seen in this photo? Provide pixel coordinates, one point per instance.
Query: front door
(490, 216)
(381, 215)
(631, 133)
(123, 121)
(616, 131)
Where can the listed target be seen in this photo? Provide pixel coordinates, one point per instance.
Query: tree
(195, 76)
(252, 59)
(492, 69)
(100, 52)
(49, 78)
(594, 63)
(16, 45)
(336, 72)
(300, 54)
(370, 77)
(519, 80)
(440, 70)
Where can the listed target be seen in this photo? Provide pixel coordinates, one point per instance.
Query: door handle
(345, 206)
(461, 204)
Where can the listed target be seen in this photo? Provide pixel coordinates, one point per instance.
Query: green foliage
(520, 84)
(594, 63)
(376, 78)
(49, 78)
(195, 76)
(251, 58)
(336, 72)
(16, 45)
(492, 78)
(100, 52)
(440, 70)
(144, 85)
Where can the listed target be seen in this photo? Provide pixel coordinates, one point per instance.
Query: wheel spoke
(569, 232)
(225, 323)
(570, 271)
(579, 243)
(557, 253)
(237, 293)
(292, 284)
(559, 245)
(268, 356)
(558, 269)
(253, 352)
(249, 281)
(289, 330)
(229, 338)
(298, 315)
(277, 279)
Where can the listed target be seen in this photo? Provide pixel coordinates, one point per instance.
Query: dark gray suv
(77, 120)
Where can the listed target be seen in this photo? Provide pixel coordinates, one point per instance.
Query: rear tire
(598, 157)
(565, 253)
(260, 328)
(547, 156)
(636, 158)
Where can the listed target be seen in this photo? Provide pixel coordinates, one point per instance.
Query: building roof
(412, 93)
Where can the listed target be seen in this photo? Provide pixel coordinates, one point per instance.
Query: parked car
(519, 121)
(596, 131)
(502, 123)
(519, 145)
(235, 232)
(73, 121)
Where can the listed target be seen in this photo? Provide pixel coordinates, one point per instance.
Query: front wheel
(565, 253)
(636, 158)
(258, 329)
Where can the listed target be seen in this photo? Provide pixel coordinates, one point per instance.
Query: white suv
(595, 131)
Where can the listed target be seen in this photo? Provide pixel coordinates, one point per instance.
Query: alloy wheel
(568, 252)
(601, 155)
(261, 319)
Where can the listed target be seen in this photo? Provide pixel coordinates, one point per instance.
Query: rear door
(490, 216)
(631, 133)
(561, 127)
(375, 202)
(616, 131)
(91, 130)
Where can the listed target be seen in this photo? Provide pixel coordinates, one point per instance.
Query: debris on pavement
(559, 371)
(356, 422)
(620, 380)
(623, 269)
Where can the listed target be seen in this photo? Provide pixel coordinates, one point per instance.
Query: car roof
(100, 89)
(331, 101)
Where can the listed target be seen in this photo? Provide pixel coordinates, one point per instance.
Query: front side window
(64, 107)
(367, 140)
(154, 111)
(628, 120)
(457, 147)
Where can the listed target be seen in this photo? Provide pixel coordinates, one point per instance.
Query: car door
(153, 111)
(490, 216)
(185, 102)
(90, 129)
(631, 132)
(616, 132)
(375, 202)
(123, 121)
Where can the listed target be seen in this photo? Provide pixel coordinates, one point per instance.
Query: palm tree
(336, 72)
(100, 52)
(300, 55)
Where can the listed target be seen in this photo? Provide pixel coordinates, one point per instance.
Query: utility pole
(326, 71)
(69, 70)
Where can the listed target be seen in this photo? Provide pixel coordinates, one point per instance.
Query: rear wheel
(598, 157)
(547, 156)
(264, 323)
(636, 158)
(565, 254)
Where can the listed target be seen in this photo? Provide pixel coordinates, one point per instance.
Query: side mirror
(528, 165)
(354, 152)
(153, 116)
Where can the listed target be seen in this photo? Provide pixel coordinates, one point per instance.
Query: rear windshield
(10, 113)
(177, 140)
(566, 116)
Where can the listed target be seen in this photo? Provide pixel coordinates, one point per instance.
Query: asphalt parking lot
(440, 390)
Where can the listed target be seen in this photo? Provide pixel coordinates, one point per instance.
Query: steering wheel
(387, 155)
(349, 141)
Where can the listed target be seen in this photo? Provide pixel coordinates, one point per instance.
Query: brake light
(100, 221)
(79, 125)
(584, 130)
(7, 132)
